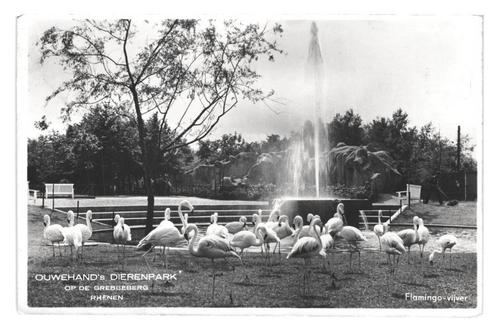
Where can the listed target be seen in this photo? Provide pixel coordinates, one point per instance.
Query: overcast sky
(429, 67)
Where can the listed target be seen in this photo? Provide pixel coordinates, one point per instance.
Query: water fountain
(308, 147)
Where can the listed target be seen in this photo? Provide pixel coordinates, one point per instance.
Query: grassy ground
(464, 213)
(275, 286)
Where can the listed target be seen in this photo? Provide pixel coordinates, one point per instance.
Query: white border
(21, 157)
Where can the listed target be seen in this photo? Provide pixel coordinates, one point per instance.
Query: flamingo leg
(165, 261)
(124, 254)
(214, 276)
(397, 264)
(147, 263)
(450, 258)
(59, 247)
(380, 246)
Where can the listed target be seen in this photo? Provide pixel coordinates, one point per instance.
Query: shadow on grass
(416, 284)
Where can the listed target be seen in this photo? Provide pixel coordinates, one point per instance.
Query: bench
(33, 194)
(59, 189)
(413, 191)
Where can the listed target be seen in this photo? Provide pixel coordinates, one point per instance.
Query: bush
(359, 192)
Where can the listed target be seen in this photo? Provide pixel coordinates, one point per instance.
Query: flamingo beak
(431, 262)
(186, 236)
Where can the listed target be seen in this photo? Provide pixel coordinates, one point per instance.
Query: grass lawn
(464, 213)
(275, 286)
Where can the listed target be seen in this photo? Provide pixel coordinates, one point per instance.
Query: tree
(275, 143)
(346, 128)
(222, 148)
(201, 67)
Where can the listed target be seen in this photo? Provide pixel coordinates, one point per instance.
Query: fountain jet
(315, 63)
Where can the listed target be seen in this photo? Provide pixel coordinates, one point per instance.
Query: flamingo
(215, 229)
(445, 242)
(282, 229)
(424, 235)
(352, 236)
(271, 235)
(304, 231)
(335, 224)
(381, 228)
(275, 212)
(167, 216)
(185, 204)
(237, 226)
(245, 239)
(86, 230)
(410, 236)
(327, 244)
(307, 248)
(210, 246)
(165, 236)
(121, 234)
(53, 233)
(393, 246)
(72, 235)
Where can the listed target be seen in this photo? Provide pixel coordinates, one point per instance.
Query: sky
(428, 66)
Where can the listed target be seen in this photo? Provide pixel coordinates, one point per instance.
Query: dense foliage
(101, 156)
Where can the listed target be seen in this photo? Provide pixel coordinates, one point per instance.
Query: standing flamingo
(245, 239)
(237, 226)
(445, 242)
(190, 208)
(307, 248)
(271, 236)
(327, 244)
(282, 229)
(410, 236)
(275, 212)
(423, 236)
(53, 233)
(393, 246)
(353, 236)
(381, 228)
(72, 235)
(121, 234)
(215, 229)
(167, 216)
(165, 236)
(304, 231)
(335, 224)
(210, 246)
(86, 230)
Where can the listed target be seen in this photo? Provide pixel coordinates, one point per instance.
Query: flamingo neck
(182, 217)
(89, 223)
(317, 235)
(259, 236)
(191, 249)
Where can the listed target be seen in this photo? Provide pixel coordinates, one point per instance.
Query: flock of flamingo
(317, 239)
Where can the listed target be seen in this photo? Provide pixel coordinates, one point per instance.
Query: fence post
(53, 196)
(408, 195)
(77, 209)
(465, 186)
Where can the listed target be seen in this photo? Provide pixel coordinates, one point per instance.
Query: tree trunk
(149, 191)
